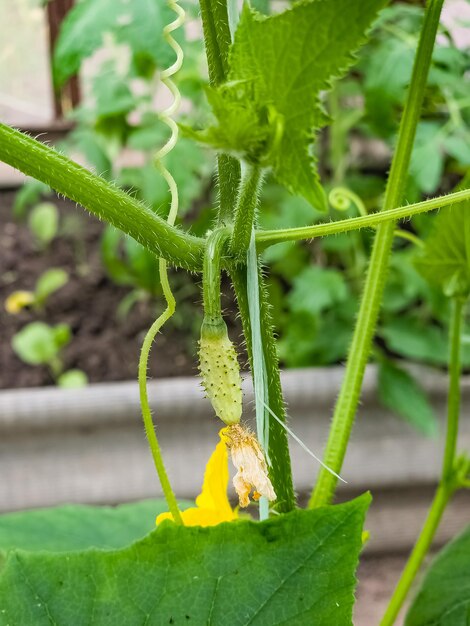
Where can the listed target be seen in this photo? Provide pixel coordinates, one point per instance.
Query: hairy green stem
(211, 274)
(280, 470)
(346, 405)
(100, 197)
(217, 39)
(420, 550)
(453, 404)
(146, 413)
(228, 180)
(266, 238)
(447, 484)
(245, 213)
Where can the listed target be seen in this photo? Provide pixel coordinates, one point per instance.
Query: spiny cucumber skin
(221, 379)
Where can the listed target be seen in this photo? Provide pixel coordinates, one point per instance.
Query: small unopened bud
(220, 372)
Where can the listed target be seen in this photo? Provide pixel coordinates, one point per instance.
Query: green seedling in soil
(43, 222)
(47, 284)
(268, 75)
(40, 344)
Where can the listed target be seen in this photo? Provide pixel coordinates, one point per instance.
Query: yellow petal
(212, 505)
(18, 300)
(214, 488)
(196, 517)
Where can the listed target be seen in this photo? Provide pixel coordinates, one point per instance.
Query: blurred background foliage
(118, 49)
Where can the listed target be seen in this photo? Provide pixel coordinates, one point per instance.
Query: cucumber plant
(268, 75)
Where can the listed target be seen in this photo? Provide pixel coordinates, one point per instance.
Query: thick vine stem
(449, 481)
(211, 273)
(245, 212)
(278, 452)
(228, 180)
(217, 39)
(100, 197)
(266, 238)
(348, 399)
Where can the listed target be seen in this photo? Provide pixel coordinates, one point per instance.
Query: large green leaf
(78, 527)
(270, 106)
(446, 258)
(139, 24)
(297, 568)
(444, 596)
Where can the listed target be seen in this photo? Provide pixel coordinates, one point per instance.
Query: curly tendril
(166, 117)
(341, 199)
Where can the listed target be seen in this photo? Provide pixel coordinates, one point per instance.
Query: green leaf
(191, 166)
(416, 339)
(335, 333)
(62, 335)
(139, 24)
(111, 246)
(402, 394)
(297, 342)
(78, 527)
(112, 93)
(36, 343)
(427, 158)
(405, 286)
(316, 289)
(292, 569)
(387, 69)
(30, 193)
(44, 222)
(143, 266)
(49, 282)
(93, 147)
(458, 146)
(270, 107)
(446, 258)
(444, 595)
(73, 379)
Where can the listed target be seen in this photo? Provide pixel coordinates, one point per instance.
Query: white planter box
(89, 446)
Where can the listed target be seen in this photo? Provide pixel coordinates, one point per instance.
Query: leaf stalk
(449, 481)
(348, 400)
(266, 238)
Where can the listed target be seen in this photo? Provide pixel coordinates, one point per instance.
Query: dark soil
(104, 346)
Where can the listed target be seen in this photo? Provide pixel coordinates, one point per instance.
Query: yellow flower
(248, 458)
(18, 300)
(212, 505)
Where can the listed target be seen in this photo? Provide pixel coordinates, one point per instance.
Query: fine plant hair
(255, 132)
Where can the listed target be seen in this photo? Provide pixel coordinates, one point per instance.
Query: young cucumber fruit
(220, 371)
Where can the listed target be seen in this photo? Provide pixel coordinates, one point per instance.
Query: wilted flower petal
(248, 458)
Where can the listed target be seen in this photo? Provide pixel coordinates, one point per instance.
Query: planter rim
(175, 399)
